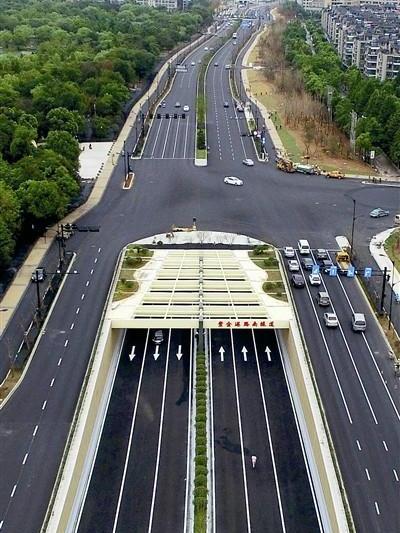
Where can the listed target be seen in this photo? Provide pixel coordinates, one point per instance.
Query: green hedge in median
(200, 479)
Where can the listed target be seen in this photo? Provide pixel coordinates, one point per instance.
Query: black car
(320, 253)
(297, 281)
(325, 265)
(307, 263)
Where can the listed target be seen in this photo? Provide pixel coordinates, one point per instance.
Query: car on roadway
(307, 263)
(177, 104)
(379, 212)
(226, 104)
(331, 320)
(186, 108)
(206, 48)
(325, 265)
(315, 279)
(297, 281)
(248, 162)
(293, 265)
(321, 253)
(193, 63)
(232, 180)
(323, 299)
(39, 275)
(164, 104)
(288, 251)
(227, 67)
(158, 337)
(239, 108)
(215, 64)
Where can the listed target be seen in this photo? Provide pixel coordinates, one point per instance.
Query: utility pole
(384, 279)
(329, 102)
(353, 131)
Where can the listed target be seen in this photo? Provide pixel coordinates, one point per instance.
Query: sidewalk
(16, 290)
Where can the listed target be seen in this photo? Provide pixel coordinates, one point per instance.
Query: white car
(315, 279)
(206, 48)
(331, 320)
(193, 63)
(186, 108)
(248, 162)
(288, 251)
(239, 108)
(231, 180)
(293, 265)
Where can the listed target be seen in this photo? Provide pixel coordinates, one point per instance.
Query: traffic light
(175, 115)
(167, 115)
(183, 115)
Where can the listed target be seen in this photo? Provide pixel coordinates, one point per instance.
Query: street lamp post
(391, 296)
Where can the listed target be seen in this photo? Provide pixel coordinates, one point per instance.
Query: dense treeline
(376, 103)
(66, 71)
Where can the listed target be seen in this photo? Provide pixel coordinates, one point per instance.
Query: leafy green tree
(60, 118)
(23, 142)
(7, 244)
(63, 143)
(395, 149)
(42, 200)
(364, 142)
(9, 207)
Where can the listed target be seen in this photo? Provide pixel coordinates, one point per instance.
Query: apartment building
(168, 4)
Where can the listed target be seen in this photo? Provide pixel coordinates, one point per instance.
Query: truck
(343, 255)
(306, 169)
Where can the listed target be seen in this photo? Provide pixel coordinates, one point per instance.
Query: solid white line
(83, 296)
(91, 272)
(35, 431)
(358, 445)
(25, 458)
(186, 136)
(72, 325)
(246, 496)
(59, 361)
(377, 508)
(13, 491)
(44, 405)
(128, 450)
(395, 475)
(367, 474)
(271, 447)
(52, 382)
(87, 283)
(153, 499)
(21, 345)
(372, 356)
(385, 445)
(66, 342)
(187, 497)
(214, 525)
(77, 310)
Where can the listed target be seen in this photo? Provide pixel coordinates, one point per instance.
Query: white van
(396, 219)
(303, 247)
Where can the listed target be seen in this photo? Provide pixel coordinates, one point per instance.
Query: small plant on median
(200, 480)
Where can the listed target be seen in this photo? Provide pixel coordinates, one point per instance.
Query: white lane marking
(166, 137)
(328, 352)
(91, 272)
(35, 431)
(77, 310)
(271, 447)
(21, 345)
(72, 325)
(188, 455)
(59, 361)
(372, 356)
(186, 136)
(99, 250)
(13, 491)
(128, 451)
(52, 382)
(96, 259)
(212, 459)
(358, 445)
(66, 343)
(44, 405)
(153, 498)
(246, 496)
(367, 474)
(385, 445)
(25, 458)
(1, 524)
(396, 477)
(176, 136)
(83, 296)
(87, 283)
(377, 508)
(156, 139)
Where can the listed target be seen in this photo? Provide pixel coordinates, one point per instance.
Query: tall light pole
(352, 230)
(391, 295)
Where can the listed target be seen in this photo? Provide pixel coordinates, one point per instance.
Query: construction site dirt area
(300, 146)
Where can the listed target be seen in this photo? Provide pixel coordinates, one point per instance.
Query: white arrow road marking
(156, 354)
(179, 353)
(132, 354)
(222, 351)
(268, 352)
(244, 352)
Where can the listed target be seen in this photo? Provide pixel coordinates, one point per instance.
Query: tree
(9, 207)
(7, 244)
(42, 200)
(65, 144)
(61, 118)
(23, 142)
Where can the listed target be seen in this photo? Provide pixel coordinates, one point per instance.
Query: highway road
(140, 478)
(252, 415)
(273, 206)
(362, 405)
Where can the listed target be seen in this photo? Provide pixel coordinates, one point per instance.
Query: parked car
(248, 162)
(288, 251)
(297, 281)
(232, 180)
(331, 320)
(379, 212)
(293, 265)
(315, 279)
(307, 263)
